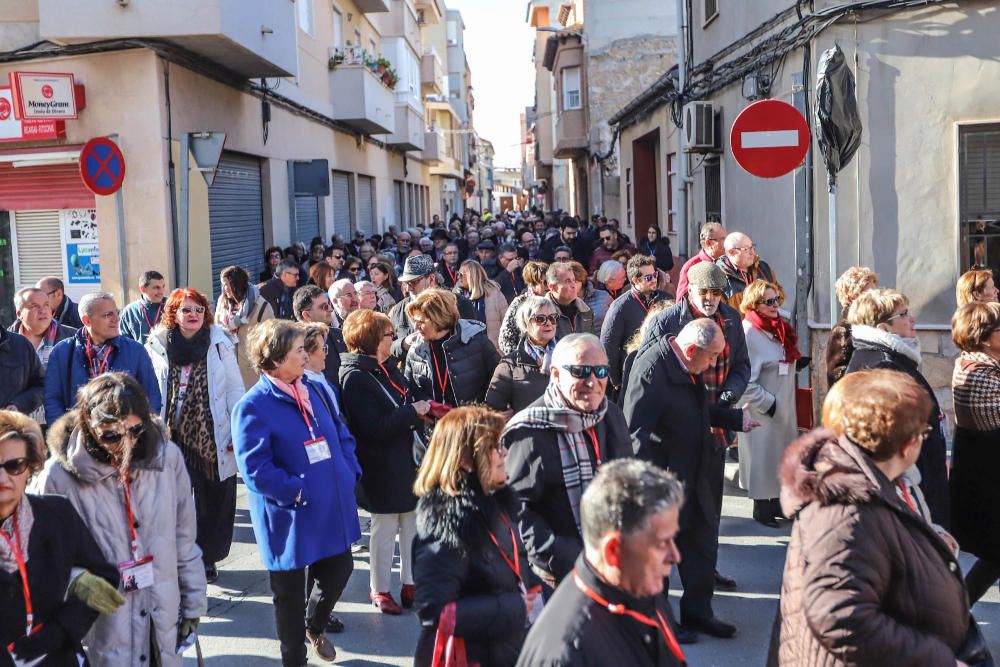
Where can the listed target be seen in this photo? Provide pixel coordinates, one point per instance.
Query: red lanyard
(302, 409)
(22, 568)
(515, 564)
(97, 369)
(129, 513)
(622, 610)
(442, 380)
(388, 377)
(906, 495)
(156, 318)
(636, 297)
(451, 274)
(597, 445)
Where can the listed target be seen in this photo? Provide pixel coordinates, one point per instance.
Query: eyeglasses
(649, 278)
(15, 467)
(747, 247)
(197, 310)
(354, 269)
(905, 313)
(709, 291)
(324, 306)
(114, 437)
(336, 256)
(275, 255)
(582, 372)
(543, 319)
(773, 302)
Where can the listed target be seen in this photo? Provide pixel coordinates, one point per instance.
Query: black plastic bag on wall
(837, 119)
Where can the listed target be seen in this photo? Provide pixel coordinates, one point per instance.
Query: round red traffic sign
(102, 166)
(769, 138)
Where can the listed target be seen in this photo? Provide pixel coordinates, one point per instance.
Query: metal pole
(683, 178)
(834, 304)
(122, 248)
(182, 244)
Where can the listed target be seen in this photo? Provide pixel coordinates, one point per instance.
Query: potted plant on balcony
(382, 64)
(336, 59)
(390, 78)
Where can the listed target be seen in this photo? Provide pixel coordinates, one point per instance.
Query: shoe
(324, 649)
(711, 626)
(211, 573)
(777, 511)
(724, 583)
(733, 454)
(334, 625)
(408, 595)
(763, 513)
(684, 635)
(385, 603)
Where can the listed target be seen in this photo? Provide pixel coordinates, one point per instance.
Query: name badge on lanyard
(783, 368)
(317, 448)
(136, 573)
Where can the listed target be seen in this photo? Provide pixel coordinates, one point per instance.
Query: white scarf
(908, 347)
(25, 520)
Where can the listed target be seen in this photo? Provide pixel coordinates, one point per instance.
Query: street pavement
(239, 628)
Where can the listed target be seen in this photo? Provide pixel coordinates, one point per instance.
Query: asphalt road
(239, 629)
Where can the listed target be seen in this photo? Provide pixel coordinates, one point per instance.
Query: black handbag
(975, 652)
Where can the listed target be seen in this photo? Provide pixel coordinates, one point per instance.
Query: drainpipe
(683, 177)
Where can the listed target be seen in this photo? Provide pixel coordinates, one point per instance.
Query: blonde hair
(479, 283)
(534, 274)
(875, 306)
(636, 340)
(438, 306)
(973, 323)
(877, 409)
(753, 295)
(464, 437)
(853, 282)
(971, 284)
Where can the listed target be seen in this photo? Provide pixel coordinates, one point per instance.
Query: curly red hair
(176, 300)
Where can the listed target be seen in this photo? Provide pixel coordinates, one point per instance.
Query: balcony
(448, 167)
(571, 134)
(401, 22)
(372, 6)
(434, 147)
(409, 133)
(430, 11)
(253, 38)
(431, 73)
(360, 98)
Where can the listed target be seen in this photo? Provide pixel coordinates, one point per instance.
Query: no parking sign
(102, 166)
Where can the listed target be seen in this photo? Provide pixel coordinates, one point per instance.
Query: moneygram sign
(12, 129)
(43, 96)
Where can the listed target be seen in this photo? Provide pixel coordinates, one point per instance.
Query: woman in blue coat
(298, 462)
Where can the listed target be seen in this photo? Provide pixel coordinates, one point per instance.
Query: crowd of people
(527, 407)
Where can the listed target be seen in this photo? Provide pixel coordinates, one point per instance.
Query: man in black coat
(23, 385)
(611, 610)
(311, 304)
(279, 290)
(670, 419)
(556, 446)
(568, 230)
(626, 314)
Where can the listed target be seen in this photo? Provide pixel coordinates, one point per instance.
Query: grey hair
(338, 286)
(363, 283)
(607, 270)
(564, 348)
(88, 301)
(701, 333)
(623, 496)
(733, 239)
(707, 229)
(21, 296)
(530, 307)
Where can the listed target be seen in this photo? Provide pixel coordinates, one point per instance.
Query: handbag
(975, 652)
(449, 650)
(804, 408)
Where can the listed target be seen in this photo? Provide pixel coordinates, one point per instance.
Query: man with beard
(569, 228)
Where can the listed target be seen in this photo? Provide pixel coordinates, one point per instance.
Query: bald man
(742, 266)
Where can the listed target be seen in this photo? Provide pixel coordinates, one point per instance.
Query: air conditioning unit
(699, 126)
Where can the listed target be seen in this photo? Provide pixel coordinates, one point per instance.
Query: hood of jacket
(866, 337)
(466, 329)
(66, 447)
(460, 521)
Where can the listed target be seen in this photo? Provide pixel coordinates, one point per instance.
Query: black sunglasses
(114, 437)
(15, 467)
(774, 302)
(542, 319)
(581, 372)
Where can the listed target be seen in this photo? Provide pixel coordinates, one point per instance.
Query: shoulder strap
(260, 312)
(322, 396)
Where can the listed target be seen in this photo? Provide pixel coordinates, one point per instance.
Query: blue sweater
(134, 324)
(67, 371)
(269, 437)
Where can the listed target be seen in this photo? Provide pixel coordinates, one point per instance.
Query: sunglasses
(649, 278)
(197, 310)
(133, 433)
(582, 372)
(15, 467)
(544, 319)
(774, 302)
(702, 291)
(354, 269)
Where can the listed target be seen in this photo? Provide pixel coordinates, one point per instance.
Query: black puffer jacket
(470, 360)
(517, 381)
(454, 560)
(382, 422)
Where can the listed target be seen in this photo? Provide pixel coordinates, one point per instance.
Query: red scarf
(781, 330)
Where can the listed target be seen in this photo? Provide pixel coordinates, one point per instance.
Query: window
(338, 29)
(713, 190)
(571, 88)
(306, 17)
(452, 33)
(979, 195)
(628, 196)
(671, 180)
(711, 11)
(357, 37)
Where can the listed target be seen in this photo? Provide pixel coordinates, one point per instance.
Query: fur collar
(866, 336)
(67, 448)
(457, 521)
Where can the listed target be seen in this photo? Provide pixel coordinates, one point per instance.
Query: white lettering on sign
(770, 139)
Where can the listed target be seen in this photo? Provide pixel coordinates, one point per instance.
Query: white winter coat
(761, 449)
(164, 511)
(225, 388)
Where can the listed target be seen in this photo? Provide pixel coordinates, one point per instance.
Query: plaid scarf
(715, 377)
(976, 388)
(572, 426)
(25, 520)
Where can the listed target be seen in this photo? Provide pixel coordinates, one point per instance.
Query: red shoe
(385, 603)
(408, 595)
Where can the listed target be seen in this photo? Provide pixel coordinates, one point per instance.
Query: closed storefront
(341, 189)
(236, 219)
(366, 205)
(307, 223)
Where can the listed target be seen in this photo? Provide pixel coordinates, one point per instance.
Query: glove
(50, 639)
(96, 593)
(188, 625)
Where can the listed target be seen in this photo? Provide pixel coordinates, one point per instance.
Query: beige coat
(260, 312)
(496, 307)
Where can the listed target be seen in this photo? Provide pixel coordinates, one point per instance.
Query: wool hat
(417, 267)
(707, 276)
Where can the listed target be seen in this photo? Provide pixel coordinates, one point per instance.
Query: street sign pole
(832, 214)
(122, 247)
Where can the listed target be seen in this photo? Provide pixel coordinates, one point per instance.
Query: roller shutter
(38, 246)
(306, 219)
(341, 191)
(235, 216)
(366, 205)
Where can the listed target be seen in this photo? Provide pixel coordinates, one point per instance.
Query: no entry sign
(769, 138)
(102, 166)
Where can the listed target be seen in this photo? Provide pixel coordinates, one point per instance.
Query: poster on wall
(83, 262)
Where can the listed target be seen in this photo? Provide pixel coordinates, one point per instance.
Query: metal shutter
(366, 205)
(306, 219)
(341, 190)
(235, 217)
(38, 246)
(46, 187)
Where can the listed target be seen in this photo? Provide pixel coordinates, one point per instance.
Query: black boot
(776, 509)
(763, 513)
